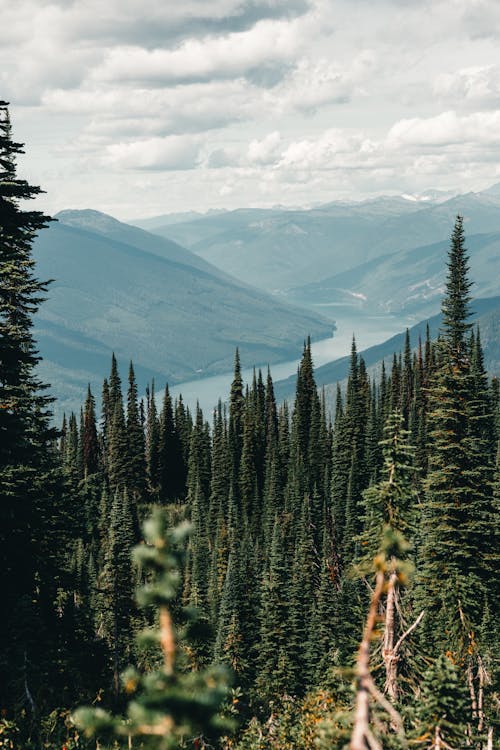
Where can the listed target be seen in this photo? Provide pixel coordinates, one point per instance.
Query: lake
(368, 331)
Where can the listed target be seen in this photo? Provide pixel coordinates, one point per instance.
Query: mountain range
(409, 281)
(178, 299)
(285, 250)
(118, 288)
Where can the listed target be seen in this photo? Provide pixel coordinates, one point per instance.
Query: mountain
(409, 282)
(170, 311)
(177, 218)
(486, 316)
(103, 224)
(278, 249)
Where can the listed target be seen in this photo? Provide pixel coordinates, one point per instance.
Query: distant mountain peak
(87, 218)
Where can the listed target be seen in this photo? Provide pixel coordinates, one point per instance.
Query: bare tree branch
(410, 630)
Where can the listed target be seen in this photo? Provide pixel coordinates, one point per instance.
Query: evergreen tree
(275, 667)
(152, 443)
(236, 408)
(171, 462)
(455, 572)
(90, 439)
(118, 458)
(443, 708)
(136, 470)
(30, 492)
(118, 583)
(170, 705)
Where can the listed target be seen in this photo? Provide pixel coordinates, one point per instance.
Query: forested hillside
(282, 249)
(485, 314)
(260, 577)
(118, 288)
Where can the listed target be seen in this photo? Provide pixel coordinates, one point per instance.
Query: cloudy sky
(141, 107)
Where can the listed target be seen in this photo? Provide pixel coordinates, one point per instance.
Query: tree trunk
(362, 737)
(388, 654)
(437, 739)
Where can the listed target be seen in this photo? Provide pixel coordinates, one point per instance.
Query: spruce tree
(152, 444)
(235, 432)
(171, 462)
(455, 571)
(29, 484)
(275, 668)
(90, 439)
(136, 471)
(118, 583)
(171, 705)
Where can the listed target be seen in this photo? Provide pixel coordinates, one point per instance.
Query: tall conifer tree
(29, 512)
(457, 518)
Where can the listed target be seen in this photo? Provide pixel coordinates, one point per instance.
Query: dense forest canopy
(302, 583)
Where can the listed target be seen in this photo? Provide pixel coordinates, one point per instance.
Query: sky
(146, 107)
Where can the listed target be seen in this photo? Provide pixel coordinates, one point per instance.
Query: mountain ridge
(175, 319)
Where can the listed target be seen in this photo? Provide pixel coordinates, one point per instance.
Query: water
(368, 331)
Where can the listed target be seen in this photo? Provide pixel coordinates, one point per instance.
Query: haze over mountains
(410, 281)
(319, 256)
(118, 288)
(169, 298)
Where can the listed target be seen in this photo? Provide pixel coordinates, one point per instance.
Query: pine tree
(171, 462)
(235, 432)
(443, 708)
(29, 482)
(118, 458)
(306, 402)
(389, 514)
(275, 667)
(136, 470)
(302, 592)
(90, 439)
(455, 573)
(169, 705)
(152, 443)
(118, 583)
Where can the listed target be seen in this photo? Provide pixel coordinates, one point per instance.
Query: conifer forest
(266, 576)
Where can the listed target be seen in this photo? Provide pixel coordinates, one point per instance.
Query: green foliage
(170, 707)
(443, 709)
(286, 511)
(33, 539)
(457, 514)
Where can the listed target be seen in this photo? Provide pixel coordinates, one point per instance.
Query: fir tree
(152, 443)
(90, 439)
(457, 516)
(136, 469)
(443, 708)
(171, 462)
(118, 583)
(236, 407)
(275, 667)
(30, 528)
(170, 705)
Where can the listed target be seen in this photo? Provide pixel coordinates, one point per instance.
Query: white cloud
(179, 109)
(291, 100)
(314, 83)
(477, 86)
(480, 129)
(198, 59)
(265, 150)
(170, 153)
(330, 150)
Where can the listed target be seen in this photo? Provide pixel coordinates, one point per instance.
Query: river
(368, 331)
